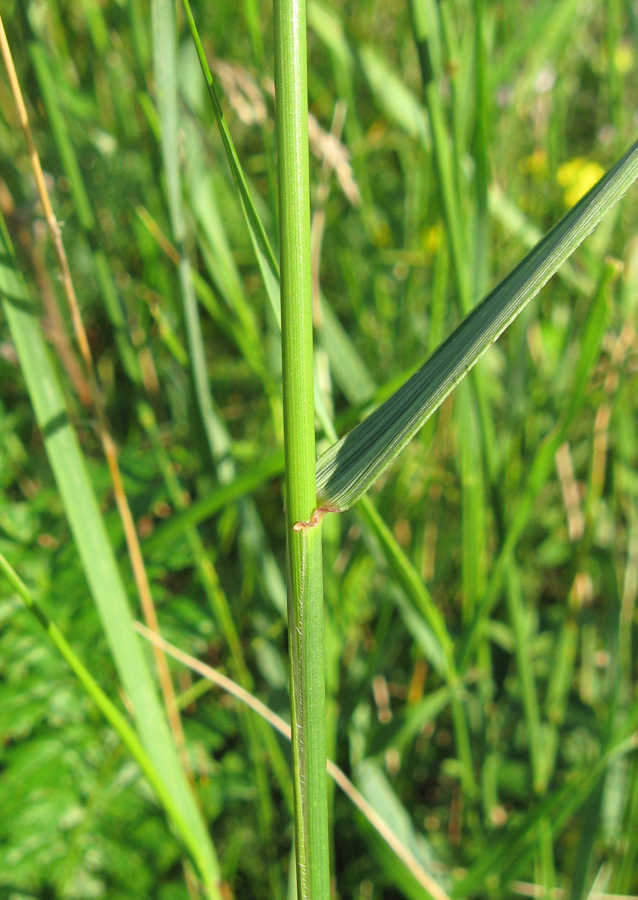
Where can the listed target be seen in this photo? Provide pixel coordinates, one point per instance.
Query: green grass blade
(70, 164)
(473, 509)
(110, 712)
(522, 638)
(258, 735)
(263, 250)
(408, 578)
(375, 787)
(165, 68)
(96, 553)
(446, 167)
(503, 861)
(49, 86)
(349, 468)
(394, 839)
(346, 365)
(219, 440)
(514, 222)
(429, 20)
(480, 152)
(397, 100)
(420, 599)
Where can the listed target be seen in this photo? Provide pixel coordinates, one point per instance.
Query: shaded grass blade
(263, 251)
(49, 87)
(542, 463)
(244, 483)
(350, 467)
(165, 68)
(504, 860)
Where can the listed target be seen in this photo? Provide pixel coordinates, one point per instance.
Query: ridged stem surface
(305, 590)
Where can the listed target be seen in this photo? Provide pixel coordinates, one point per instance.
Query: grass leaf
(110, 712)
(96, 553)
(351, 466)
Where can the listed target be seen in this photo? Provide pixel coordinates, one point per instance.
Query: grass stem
(305, 586)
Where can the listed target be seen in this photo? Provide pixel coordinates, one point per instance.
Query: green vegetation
(479, 599)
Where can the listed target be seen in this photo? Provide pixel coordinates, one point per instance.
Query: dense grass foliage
(504, 539)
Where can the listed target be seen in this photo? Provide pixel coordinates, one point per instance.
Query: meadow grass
(479, 600)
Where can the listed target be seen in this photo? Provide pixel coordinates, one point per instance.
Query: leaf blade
(97, 556)
(349, 468)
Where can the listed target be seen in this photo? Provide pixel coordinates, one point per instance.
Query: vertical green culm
(305, 589)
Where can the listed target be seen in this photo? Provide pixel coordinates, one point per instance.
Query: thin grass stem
(305, 577)
(340, 778)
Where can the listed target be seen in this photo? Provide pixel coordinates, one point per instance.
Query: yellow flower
(577, 176)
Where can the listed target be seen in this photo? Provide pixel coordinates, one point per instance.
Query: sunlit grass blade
(346, 365)
(428, 21)
(375, 786)
(96, 553)
(350, 467)
(397, 100)
(258, 736)
(111, 714)
(219, 439)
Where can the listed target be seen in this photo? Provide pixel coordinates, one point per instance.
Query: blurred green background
(525, 508)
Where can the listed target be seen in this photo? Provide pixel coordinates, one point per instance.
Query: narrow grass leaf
(396, 99)
(505, 858)
(96, 553)
(325, 23)
(110, 712)
(376, 788)
(51, 83)
(350, 467)
(412, 584)
(350, 372)
(515, 223)
(165, 68)
(263, 251)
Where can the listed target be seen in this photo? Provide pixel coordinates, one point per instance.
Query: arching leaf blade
(351, 466)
